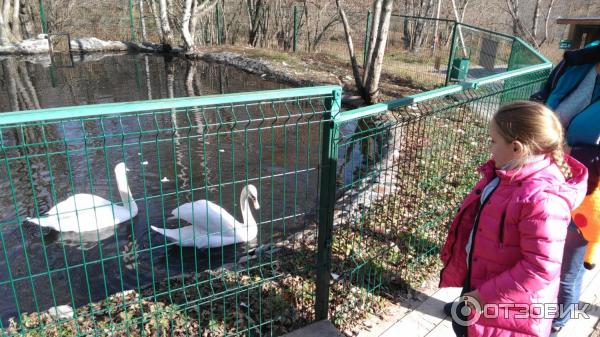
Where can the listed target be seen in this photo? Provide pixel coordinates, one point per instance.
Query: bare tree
(435, 29)
(60, 15)
(10, 23)
(167, 37)
(192, 11)
(143, 21)
(368, 84)
(319, 22)
(5, 8)
(5, 35)
(156, 18)
(185, 27)
(256, 11)
(530, 32)
(16, 26)
(460, 18)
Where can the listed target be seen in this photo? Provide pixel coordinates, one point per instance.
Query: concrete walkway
(429, 320)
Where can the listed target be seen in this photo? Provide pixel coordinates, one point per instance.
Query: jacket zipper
(475, 227)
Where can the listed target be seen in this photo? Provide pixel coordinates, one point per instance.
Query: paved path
(429, 320)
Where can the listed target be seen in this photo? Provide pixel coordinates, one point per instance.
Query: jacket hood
(582, 56)
(547, 176)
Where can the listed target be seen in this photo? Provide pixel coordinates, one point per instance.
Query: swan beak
(127, 170)
(256, 205)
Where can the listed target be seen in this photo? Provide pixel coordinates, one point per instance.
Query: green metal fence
(127, 278)
(418, 51)
(407, 165)
(353, 204)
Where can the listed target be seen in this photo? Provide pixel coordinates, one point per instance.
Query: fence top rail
(509, 74)
(376, 109)
(509, 37)
(422, 17)
(107, 109)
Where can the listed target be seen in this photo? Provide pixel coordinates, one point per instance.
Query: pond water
(273, 146)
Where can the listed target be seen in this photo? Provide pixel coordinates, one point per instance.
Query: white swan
(212, 226)
(84, 212)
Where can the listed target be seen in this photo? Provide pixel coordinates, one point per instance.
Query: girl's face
(502, 151)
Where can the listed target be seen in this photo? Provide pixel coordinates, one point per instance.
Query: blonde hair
(536, 127)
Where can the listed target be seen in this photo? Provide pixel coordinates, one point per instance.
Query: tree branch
(357, 78)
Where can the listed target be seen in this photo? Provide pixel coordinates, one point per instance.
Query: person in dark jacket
(573, 92)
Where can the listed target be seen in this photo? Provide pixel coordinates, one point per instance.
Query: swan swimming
(212, 226)
(84, 212)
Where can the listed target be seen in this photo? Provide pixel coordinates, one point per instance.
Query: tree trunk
(143, 22)
(167, 38)
(373, 36)
(159, 30)
(372, 82)
(28, 20)
(518, 27)
(536, 19)
(547, 18)
(255, 16)
(5, 10)
(436, 27)
(460, 34)
(355, 71)
(194, 21)
(5, 35)
(188, 37)
(16, 24)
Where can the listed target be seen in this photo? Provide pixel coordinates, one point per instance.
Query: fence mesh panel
(405, 172)
(128, 278)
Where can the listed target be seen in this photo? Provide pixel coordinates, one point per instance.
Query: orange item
(587, 219)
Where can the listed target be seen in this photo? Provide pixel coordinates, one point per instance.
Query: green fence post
(329, 154)
(295, 43)
(43, 18)
(452, 52)
(131, 20)
(366, 44)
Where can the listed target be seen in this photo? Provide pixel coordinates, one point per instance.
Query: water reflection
(199, 153)
(175, 156)
(35, 82)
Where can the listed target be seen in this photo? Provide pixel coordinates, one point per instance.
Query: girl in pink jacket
(505, 245)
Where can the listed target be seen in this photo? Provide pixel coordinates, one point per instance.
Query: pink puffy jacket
(518, 246)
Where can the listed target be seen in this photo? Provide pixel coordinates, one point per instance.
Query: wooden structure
(582, 30)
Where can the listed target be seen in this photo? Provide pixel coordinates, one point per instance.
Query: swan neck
(125, 192)
(249, 221)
